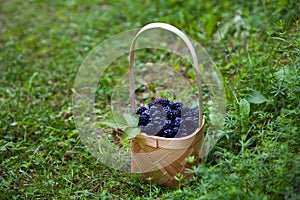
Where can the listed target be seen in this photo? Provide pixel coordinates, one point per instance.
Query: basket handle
(191, 49)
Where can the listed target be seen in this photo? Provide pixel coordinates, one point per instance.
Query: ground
(255, 45)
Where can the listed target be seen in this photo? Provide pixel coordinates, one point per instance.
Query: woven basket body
(163, 158)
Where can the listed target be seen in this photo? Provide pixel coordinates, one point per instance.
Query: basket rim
(144, 135)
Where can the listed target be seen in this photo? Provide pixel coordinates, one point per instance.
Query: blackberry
(175, 130)
(178, 113)
(146, 112)
(182, 132)
(167, 119)
(192, 120)
(191, 124)
(164, 102)
(168, 133)
(151, 104)
(143, 120)
(171, 116)
(177, 121)
(157, 111)
(185, 111)
(140, 110)
(176, 105)
(171, 104)
(168, 124)
(157, 121)
(146, 129)
(195, 113)
(167, 110)
(156, 108)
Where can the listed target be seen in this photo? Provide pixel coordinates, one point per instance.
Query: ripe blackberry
(157, 121)
(191, 124)
(146, 112)
(151, 104)
(185, 111)
(157, 111)
(177, 121)
(175, 130)
(176, 105)
(182, 132)
(143, 120)
(176, 113)
(146, 129)
(192, 121)
(168, 133)
(140, 110)
(195, 113)
(167, 110)
(171, 116)
(167, 119)
(168, 125)
(164, 102)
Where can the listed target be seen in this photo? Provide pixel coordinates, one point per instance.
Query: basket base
(161, 159)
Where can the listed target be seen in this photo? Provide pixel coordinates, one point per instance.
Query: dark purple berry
(146, 129)
(167, 110)
(151, 104)
(185, 111)
(143, 120)
(157, 111)
(176, 105)
(168, 119)
(176, 113)
(168, 124)
(171, 116)
(140, 110)
(191, 120)
(177, 121)
(146, 112)
(168, 133)
(182, 132)
(175, 130)
(191, 124)
(164, 102)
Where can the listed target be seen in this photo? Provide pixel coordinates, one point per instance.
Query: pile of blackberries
(167, 119)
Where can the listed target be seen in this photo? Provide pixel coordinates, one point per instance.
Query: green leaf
(256, 97)
(130, 133)
(120, 120)
(114, 122)
(126, 122)
(131, 120)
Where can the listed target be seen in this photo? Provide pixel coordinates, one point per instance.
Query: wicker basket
(163, 158)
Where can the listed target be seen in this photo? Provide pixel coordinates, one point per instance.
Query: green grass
(43, 44)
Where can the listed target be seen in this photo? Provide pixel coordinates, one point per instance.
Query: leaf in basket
(116, 122)
(126, 122)
(131, 120)
(130, 133)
